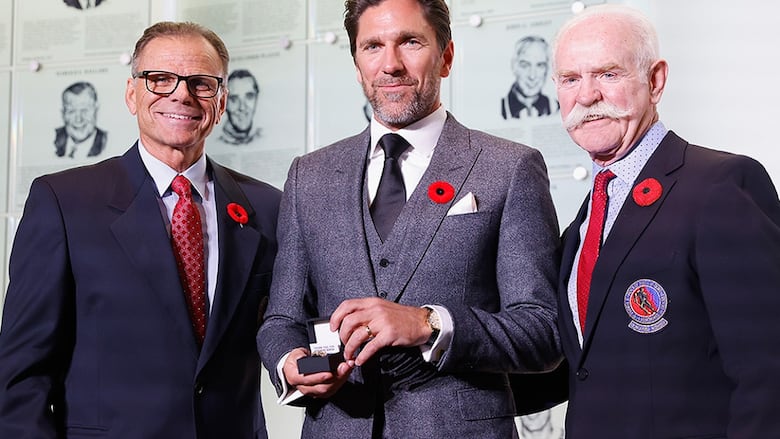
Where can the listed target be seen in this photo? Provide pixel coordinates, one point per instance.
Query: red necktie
(592, 242)
(187, 239)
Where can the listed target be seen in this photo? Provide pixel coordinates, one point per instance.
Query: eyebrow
(401, 36)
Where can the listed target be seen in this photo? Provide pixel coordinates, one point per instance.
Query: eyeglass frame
(179, 78)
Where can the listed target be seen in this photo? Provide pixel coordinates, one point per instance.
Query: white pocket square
(467, 204)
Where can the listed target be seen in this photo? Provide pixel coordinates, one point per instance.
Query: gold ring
(368, 331)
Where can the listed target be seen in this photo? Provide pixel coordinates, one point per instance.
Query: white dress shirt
(203, 195)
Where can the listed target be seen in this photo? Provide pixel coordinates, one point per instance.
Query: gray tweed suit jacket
(494, 271)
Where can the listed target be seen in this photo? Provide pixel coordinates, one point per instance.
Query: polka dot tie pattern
(187, 241)
(592, 243)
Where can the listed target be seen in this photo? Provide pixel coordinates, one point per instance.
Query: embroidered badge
(645, 302)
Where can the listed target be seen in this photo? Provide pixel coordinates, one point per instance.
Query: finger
(369, 349)
(344, 309)
(298, 379)
(357, 338)
(353, 326)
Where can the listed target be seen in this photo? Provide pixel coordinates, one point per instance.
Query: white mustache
(600, 110)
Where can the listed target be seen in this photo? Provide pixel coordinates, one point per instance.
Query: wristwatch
(434, 322)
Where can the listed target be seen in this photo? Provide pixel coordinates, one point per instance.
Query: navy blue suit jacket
(95, 322)
(712, 244)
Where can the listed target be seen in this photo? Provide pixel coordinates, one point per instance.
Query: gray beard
(421, 105)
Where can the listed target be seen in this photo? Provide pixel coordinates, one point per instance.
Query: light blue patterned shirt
(627, 170)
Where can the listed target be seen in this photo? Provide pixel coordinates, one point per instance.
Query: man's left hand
(375, 323)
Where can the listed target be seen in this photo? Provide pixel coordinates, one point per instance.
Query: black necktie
(391, 194)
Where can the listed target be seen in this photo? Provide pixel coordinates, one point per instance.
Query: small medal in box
(325, 348)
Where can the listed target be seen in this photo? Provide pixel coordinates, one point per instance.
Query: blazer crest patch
(645, 302)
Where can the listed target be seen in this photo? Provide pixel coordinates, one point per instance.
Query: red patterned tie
(592, 242)
(187, 239)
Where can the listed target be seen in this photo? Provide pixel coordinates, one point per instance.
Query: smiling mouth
(179, 116)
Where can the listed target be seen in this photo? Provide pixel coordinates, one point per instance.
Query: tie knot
(393, 145)
(181, 186)
(602, 179)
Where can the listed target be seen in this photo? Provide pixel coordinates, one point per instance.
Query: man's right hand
(316, 385)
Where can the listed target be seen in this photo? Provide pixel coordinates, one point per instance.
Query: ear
(447, 56)
(222, 104)
(358, 74)
(657, 80)
(130, 96)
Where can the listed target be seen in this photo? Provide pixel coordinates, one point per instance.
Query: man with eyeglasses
(137, 284)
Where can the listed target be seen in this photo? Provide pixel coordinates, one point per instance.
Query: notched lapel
(346, 179)
(452, 161)
(629, 226)
(151, 256)
(238, 247)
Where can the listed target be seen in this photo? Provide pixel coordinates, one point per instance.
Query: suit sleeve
(284, 327)
(521, 336)
(38, 323)
(738, 263)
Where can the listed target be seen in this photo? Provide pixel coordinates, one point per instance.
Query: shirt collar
(627, 169)
(163, 174)
(422, 135)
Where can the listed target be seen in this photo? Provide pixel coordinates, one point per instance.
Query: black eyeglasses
(164, 83)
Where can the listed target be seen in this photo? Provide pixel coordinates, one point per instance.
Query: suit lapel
(136, 197)
(238, 247)
(570, 243)
(452, 161)
(348, 206)
(629, 226)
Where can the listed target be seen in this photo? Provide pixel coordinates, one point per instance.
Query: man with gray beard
(669, 276)
(428, 248)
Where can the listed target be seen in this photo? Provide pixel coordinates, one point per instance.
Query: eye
(608, 76)
(161, 79)
(567, 81)
(202, 83)
(370, 47)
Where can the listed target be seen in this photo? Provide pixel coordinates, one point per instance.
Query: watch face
(433, 320)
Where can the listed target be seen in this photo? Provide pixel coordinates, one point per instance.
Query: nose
(181, 92)
(392, 64)
(589, 91)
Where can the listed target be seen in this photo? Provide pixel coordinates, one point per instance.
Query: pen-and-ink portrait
(82, 4)
(79, 137)
(531, 66)
(243, 92)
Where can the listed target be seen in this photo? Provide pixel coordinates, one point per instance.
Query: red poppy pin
(647, 192)
(441, 192)
(238, 213)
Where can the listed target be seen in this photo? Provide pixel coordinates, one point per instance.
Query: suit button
(384, 262)
(582, 374)
(383, 294)
(199, 389)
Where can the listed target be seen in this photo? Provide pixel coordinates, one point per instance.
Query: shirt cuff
(288, 395)
(433, 353)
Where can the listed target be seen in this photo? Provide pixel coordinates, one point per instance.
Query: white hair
(645, 38)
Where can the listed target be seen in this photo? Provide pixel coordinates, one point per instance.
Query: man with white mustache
(668, 291)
